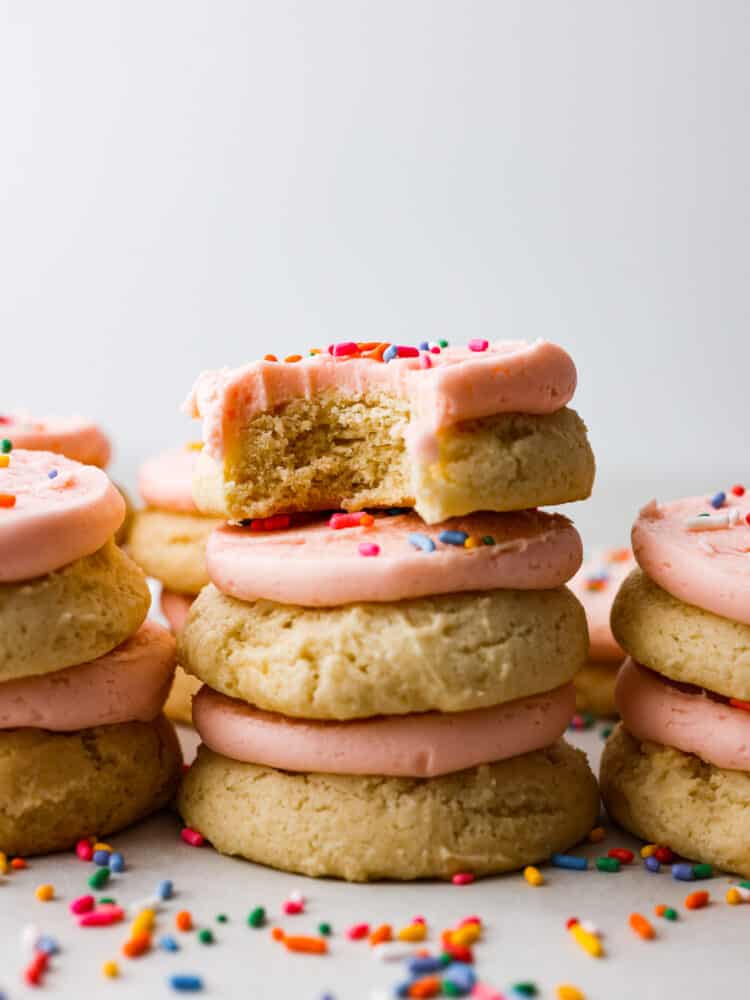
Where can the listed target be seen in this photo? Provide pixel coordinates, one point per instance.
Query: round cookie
(595, 688)
(179, 704)
(666, 796)
(493, 818)
(56, 788)
(75, 437)
(681, 641)
(72, 615)
(320, 564)
(171, 547)
(448, 653)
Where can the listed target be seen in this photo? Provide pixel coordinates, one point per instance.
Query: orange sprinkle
(4, 461)
(18, 864)
(738, 703)
(382, 933)
(696, 900)
(641, 926)
(366, 520)
(7, 500)
(427, 987)
(309, 945)
(619, 555)
(44, 893)
(660, 910)
(293, 357)
(376, 354)
(368, 345)
(277, 934)
(137, 945)
(597, 834)
(184, 921)
(270, 357)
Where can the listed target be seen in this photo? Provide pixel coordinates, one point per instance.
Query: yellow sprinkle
(533, 876)
(4, 866)
(466, 935)
(412, 932)
(733, 897)
(647, 850)
(194, 446)
(4, 461)
(45, 892)
(470, 543)
(567, 992)
(110, 969)
(597, 834)
(100, 846)
(143, 923)
(589, 942)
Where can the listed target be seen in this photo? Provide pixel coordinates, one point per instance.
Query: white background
(190, 184)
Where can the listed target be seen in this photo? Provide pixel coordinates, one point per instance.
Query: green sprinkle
(257, 917)
(744, 885)
(670, 914)
(99, 878)
(608, 864)
(106, 901)
(446, 958)
(703, 871)
(205, 936)
(442, 343)
(606, 732)
(525, 989)
(6, 446)
(488, 540)
(451, 989)
(221, 918)
(325, 929)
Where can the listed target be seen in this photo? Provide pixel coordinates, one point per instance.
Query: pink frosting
(461, 384)
(175, 608)
(654, 709)
(318, 566)
(54, 521)
(75, 437)
(414, 746)
(707, 568)
(595, 585)
(129, 684)
(166, 481)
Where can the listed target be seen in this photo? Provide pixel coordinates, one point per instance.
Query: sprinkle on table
(642, 927)
(533, 876)
(192, 837)
(696, 900)
(571, 861)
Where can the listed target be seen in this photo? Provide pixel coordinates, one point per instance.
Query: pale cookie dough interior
(70, 616)
(171, 547)
(179, 704)
(595, 688)
(447, 653)
(494, 818)
(681, 641)
(669, 797)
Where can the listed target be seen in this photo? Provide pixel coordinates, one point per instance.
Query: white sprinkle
(706, 547)
(708, 522)
(29, 937)
(744, 893)
(591, 928)
(149, 903)
(394, 951)
(296, 897)
(734, 516)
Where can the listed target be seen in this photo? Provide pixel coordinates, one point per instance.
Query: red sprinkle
(34, 970)
(459, 952)
(425, 361)
(292, 907)
(478, 344)
(344, 348)
(192, 837)
(358, 931)
(747, 518)
(103, 917)
(470, 920)
(84, 850)
(18, 864)
(621, 854)
(82, 905)
(571, 922)
(737, 703)
(664, 855)
(408, 352)
(369, 549)
(275, 523)
(7, 500)
(462, 878)
(739, 491)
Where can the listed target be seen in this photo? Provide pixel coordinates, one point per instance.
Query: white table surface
(525, 936)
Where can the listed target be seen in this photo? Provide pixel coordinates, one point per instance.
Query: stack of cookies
(168, 541)
(385, 689)
(677, 769)
(84, 749)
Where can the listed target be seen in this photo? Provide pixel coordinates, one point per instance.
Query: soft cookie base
(595, 688)
(58, 787)
(171, 547)
(490, 819)
(179, 705)
(669, 797)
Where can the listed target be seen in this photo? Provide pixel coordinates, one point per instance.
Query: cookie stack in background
(385, 693)
(595, 585)
(84, 749)
(676, 771)
(168, 541)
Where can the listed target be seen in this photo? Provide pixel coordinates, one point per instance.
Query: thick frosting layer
(52, 511)
(318, 566)
(129, 684)
(595, 585)
(414, 746)
(703, 561)
(459, 384)
(175, 608)
(166, 481)
(689, 720)
(75, 437)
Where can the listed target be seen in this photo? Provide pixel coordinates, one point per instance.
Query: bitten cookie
(493, 818)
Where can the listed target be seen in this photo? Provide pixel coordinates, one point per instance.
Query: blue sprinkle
(390, 353)
(453, 537)
(460, 975)
(116, 862)
(402, 989)
(47, 944)
(420, 541)
(395, 511)
(651, 864)
(52, 474)
(165, 889)
(569, 861)
(185, 983)
(683, 872)
(424, 345)
(424, 965)
(101, 858)
(718, 500)
(168, 943)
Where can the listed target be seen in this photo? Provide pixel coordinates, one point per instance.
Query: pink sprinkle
(338, 521)
(293, 906)
(470, 920)
(192, 837)
(84, 850)
(462, 878)
(425, 361)
(358, 931)
(82, 905)
(482, 991)
(435, 349)
(102, 917)
(478, 345)
(418, 920)
(344, 348)
(408, 352)
(369, 549)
